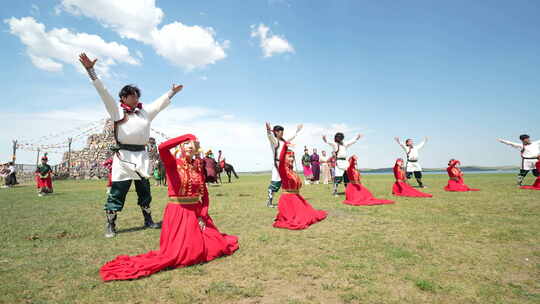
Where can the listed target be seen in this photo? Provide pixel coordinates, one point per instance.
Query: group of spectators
(317, 167)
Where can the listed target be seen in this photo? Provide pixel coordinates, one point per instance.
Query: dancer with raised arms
(413, 165)
(131, 132)
(275, 137)
(529, 151)
(339, 147)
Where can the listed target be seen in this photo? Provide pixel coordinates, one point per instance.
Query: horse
(228, 168)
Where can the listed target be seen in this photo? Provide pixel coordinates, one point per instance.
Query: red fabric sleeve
(282, 168)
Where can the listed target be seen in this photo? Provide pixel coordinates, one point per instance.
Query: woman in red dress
(400, 187)
(188, 234)
(536, 185)
(355, 193)
(455, 181)
(43, 175)
(294, 212)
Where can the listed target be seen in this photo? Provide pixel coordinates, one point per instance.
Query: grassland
(481, 247)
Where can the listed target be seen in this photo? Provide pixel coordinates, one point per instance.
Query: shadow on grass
(134, 229)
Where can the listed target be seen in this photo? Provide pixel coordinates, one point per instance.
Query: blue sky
(463, 73)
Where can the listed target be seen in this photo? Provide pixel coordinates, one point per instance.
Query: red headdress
(399, 162)
(454, 162)
(45, 158)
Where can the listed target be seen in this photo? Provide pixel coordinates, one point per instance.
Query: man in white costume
(412, 165)
(275, 137)
(339, 147)
(132, 131)
(529, 150)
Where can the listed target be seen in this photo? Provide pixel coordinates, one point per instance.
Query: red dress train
(456, 183)
(188, 234)
(401, 188)
(294, 212)
(357, 194)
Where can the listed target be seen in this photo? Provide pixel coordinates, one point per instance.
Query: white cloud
(186, 46)
(130, 19)
(50, 50)
(203, 78)
(270, 44)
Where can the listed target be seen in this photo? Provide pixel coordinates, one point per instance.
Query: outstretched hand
(358, 136)
(86, 62)
(396, 139)
(268, 127)
(177, 88)
(299, 128)
(324, 138)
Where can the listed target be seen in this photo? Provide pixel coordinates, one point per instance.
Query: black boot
(520, 179)
(148, 222)
(110, 230)
(420, 184)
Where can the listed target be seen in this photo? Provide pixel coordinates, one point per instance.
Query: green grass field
(477, 247)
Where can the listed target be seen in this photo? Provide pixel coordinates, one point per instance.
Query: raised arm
(331, 144)
(162, 102)
(111, 105)
(271, 138)
(512, 144)
(352, 141)
(400, 144)
(421, 145)
(282, 168)
(298, 129)
(165, 151)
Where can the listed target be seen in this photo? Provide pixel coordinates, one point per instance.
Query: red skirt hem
(358, 195)
(403, 189)
(455, 186)
(295, 213)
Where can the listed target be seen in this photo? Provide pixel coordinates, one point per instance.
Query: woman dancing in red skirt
(455, 181)
(536, 185)
(294, 212)
(188, 234)
(400, 187)
(357, 194)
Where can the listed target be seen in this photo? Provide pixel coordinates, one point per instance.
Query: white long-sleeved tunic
(529, 153)
(132, 165)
